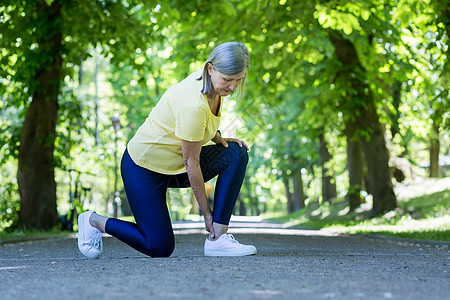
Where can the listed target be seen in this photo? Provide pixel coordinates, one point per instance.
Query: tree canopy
(338, 93)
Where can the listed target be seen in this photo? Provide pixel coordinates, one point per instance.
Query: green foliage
(295, 88)
(9, 200)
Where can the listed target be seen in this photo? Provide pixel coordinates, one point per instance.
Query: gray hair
(229, 58)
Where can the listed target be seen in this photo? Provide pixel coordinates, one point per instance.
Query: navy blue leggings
(146, 192)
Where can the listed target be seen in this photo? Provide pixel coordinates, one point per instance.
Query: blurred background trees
(343, 99)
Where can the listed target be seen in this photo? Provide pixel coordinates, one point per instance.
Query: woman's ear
(210, 68)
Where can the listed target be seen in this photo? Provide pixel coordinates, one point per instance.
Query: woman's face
(222, 84)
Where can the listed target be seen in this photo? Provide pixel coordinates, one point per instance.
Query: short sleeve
(190, 123)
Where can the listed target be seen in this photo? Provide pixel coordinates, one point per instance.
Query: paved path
(290, 264)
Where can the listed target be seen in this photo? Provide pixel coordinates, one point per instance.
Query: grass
(13, 235)
(30, 234)
(424, 217)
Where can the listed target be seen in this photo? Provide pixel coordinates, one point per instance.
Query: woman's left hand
(225, 141)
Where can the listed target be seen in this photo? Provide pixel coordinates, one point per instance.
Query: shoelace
(95, 239)
(231, 238)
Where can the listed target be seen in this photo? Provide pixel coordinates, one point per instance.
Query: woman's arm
(191, 157)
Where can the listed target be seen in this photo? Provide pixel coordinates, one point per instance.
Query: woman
(167, 151)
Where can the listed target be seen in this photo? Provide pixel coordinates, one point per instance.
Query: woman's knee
(162, 249)
(163, 252)
(239, 152)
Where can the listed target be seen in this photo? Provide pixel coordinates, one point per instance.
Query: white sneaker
(226, 245)
(89, 238)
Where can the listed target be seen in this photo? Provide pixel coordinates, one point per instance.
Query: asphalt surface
(290, 264)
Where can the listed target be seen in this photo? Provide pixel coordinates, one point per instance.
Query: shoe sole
(218, 253)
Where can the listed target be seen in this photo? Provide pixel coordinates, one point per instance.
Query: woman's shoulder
(188, 91)
(190, 83)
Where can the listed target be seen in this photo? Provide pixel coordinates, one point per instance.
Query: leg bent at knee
(160, 249)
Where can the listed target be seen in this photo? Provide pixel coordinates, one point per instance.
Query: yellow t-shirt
(182, 113)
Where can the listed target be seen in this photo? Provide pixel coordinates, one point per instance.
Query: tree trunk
(328, 182)
(96, 108)
(298, 199)
(355, 167)
(299, 196)
(287, 189)
(35, 175)
(377, 159)
(359, 106)
(445, 78)
(434, 151)
(255, 208)
(396, 100)
(242, 207)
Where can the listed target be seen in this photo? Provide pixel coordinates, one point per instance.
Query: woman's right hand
(209, 226)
